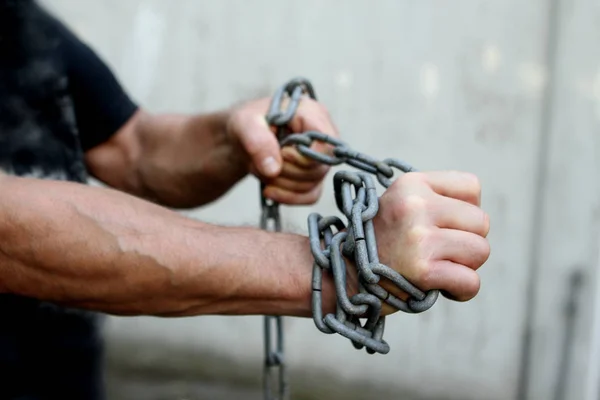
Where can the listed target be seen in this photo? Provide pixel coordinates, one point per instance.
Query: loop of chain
(355, 240)
(333, 242)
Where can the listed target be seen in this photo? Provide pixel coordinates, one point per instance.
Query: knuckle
(254, 147)
(235, 119)
(309, 188)
(474, 179)
(478, 251)
(242, 115)
(416, 236)
(260, 144)
(467, 289)
(474, 183)
(413, 178)
(471, 287)
(408, 181)
(410, 206)
(486, 224)
(322, 109)
(311, 195)
(484, 251)
(311, 200)
(321, 171)
(317, 192)
(424, 274)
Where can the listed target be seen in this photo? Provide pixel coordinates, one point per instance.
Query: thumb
(261, 145)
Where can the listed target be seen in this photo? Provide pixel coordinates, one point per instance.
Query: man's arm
(186, 161)
(176, 160)
(104, 250)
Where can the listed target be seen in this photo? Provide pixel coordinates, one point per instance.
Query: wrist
(328, 289)
(293, 287)
(190, 160)
(229, 161)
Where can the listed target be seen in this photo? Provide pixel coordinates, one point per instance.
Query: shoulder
(43, 31)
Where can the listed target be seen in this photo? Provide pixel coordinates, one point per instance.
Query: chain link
(333, 243)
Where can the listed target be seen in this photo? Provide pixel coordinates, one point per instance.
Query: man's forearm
(101, 249)
(186, 160)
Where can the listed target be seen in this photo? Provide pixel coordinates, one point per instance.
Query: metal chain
(273, 360)
(332, 241)
(274, 357)
(356, 241)
(274, 352)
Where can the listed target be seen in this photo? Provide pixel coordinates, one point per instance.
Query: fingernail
(270, 166)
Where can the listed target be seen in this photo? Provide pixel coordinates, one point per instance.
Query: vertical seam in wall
(539, 204)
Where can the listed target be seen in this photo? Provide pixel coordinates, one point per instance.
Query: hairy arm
(176, 160)
(185, 161)
(102, 249)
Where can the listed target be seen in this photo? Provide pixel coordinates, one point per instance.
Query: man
(68, 251)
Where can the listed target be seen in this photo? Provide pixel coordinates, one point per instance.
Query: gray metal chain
(271, 220)
(356, 241)
(274, 357)
(332, 241)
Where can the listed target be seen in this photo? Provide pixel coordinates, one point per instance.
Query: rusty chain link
(332, 241)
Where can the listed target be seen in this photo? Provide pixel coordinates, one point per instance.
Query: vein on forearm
(186, 161)
(100, 249)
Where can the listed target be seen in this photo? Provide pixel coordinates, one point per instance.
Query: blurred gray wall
(507, 89)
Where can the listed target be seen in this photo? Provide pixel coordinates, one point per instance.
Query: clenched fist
(431, 229)
(290, 177)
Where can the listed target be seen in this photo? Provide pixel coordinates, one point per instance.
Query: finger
(293, 156)
(292, 185)
(456, 281)
(260, 144)
(292, 171)
(450, 213)
(312, 115)
(461, 247)
(288, 197)
(455, 184)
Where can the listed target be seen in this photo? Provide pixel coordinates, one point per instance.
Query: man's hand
(186, 161)
(431, 229)
(290, 177)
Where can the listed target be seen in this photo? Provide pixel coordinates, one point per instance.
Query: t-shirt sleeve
(101, 104)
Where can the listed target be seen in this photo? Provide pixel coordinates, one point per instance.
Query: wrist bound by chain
(343, 249)
(333, 242)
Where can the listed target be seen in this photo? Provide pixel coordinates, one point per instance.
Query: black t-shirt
(58, 97)
(57, 100)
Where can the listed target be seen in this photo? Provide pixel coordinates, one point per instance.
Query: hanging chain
(274, 357)
(337, 246)
(271, 221)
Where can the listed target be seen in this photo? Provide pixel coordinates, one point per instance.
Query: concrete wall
(507, 89)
